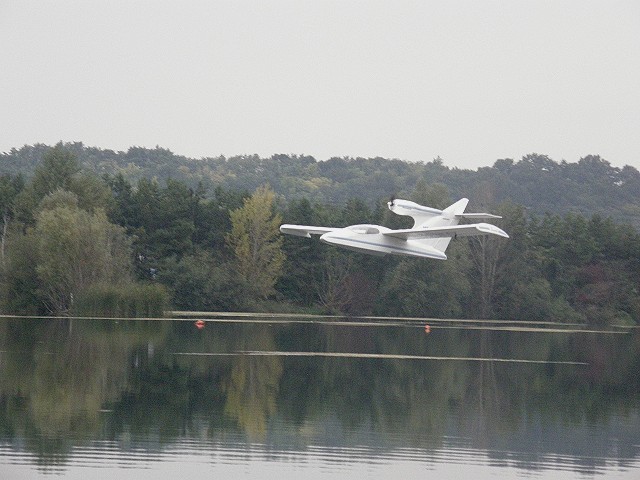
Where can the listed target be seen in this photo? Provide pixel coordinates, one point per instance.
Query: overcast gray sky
(469, 81)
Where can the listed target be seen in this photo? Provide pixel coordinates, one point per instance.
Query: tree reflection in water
(252, 386)
(68, 382)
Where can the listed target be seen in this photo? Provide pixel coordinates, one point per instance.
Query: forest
(589, 186)
(94, 231)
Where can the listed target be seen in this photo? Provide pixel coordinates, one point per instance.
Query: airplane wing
(305, 230)
(477, 216)
(452, 231)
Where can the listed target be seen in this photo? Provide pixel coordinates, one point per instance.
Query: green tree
(257, 243)
(19, 280)
(56, 171)
(435, 196)
(427, 288)
(170, 231)
(75, 250)
(60, 170)
(201, 281)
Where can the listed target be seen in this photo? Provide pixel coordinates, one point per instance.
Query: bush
(123, 301)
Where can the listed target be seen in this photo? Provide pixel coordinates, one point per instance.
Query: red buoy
(199, 324)
(427, 328)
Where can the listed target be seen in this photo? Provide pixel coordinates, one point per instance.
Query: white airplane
(429, 237)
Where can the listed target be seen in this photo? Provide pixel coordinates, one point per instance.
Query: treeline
(59, 251)
(72, 240)
(589, 186)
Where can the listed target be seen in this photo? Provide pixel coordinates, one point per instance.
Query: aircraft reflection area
(429, 237)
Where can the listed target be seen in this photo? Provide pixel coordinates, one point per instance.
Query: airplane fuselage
(370, 239)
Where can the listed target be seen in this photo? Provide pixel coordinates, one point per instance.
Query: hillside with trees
(74, 241)
(542, 185)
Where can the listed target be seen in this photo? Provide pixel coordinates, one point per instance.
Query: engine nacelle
(411, 209)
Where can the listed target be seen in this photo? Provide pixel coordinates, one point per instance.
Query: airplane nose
(326, 238)
(330, 238)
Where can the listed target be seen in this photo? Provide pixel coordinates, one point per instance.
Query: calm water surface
(282, 397)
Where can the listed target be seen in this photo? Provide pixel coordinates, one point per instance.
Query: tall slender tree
(257, 243)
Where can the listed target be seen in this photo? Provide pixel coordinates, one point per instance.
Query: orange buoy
(199, 324)
(427, 328)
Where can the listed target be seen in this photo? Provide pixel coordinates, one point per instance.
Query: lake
(269, 396)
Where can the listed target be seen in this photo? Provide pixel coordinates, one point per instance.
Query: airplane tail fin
(450, 216)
